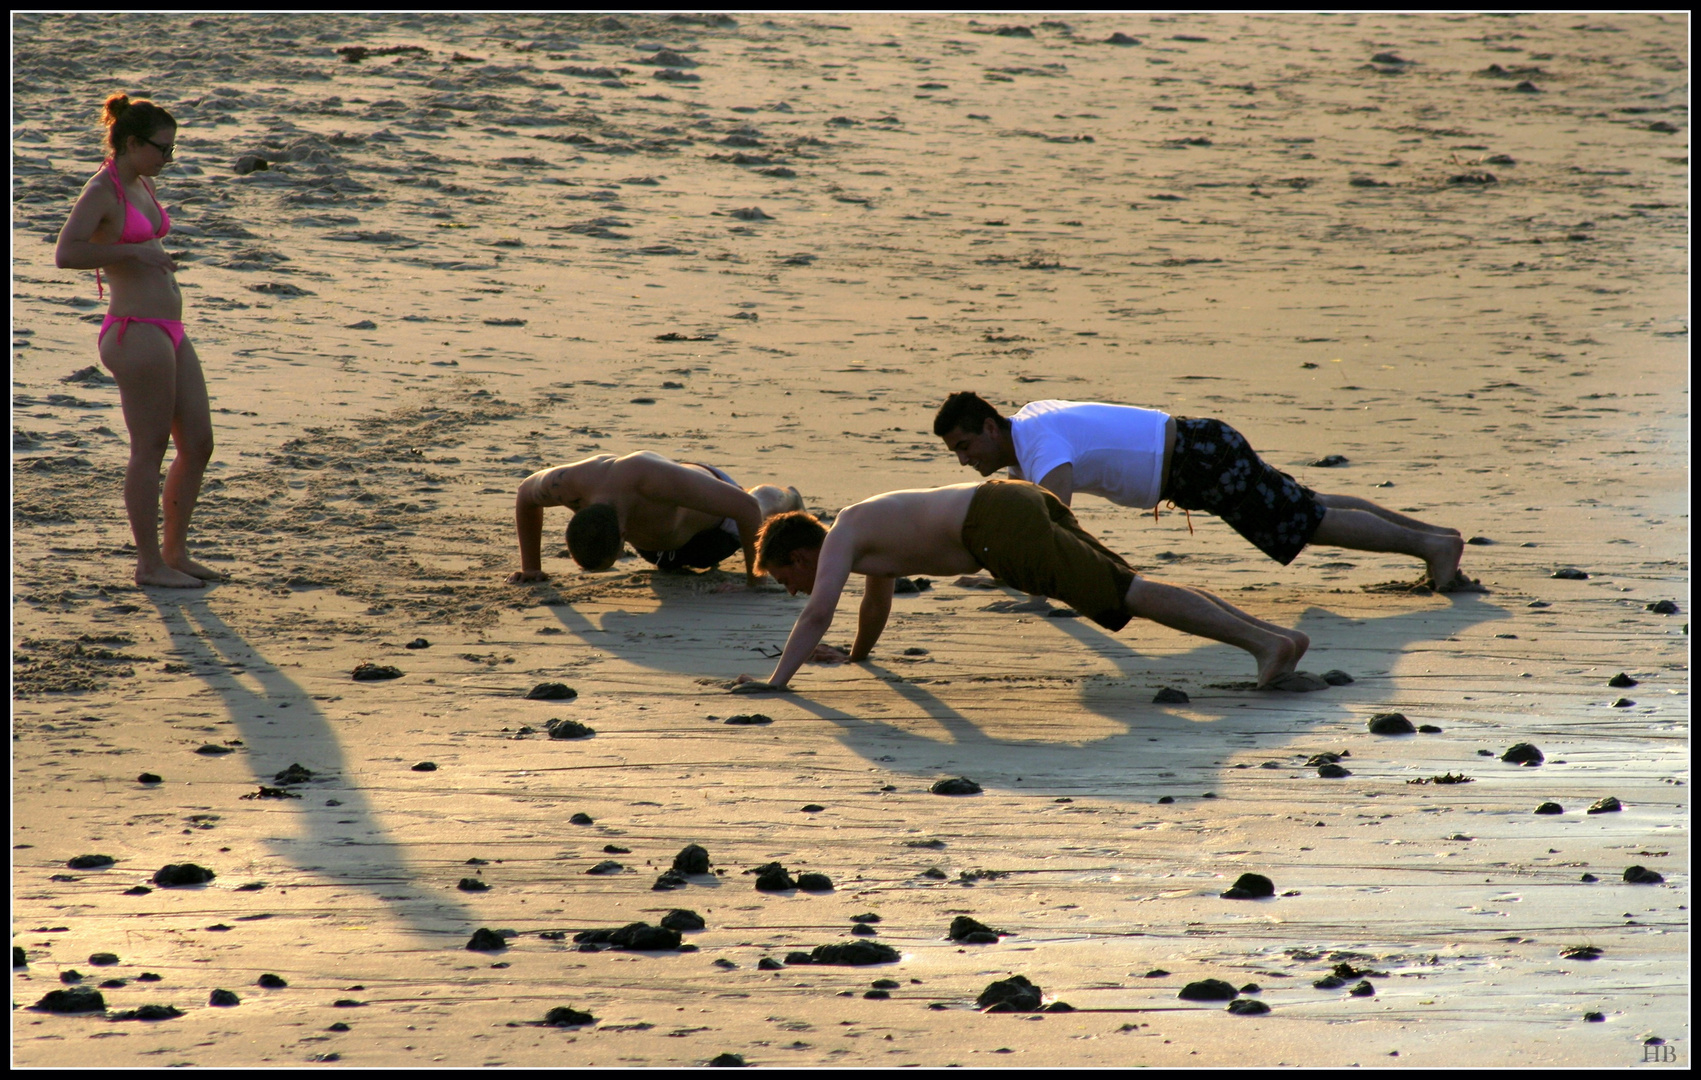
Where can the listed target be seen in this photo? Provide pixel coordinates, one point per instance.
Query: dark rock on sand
(768, 963)
(551, 691)
(1170, 696)
(638, 936)
(562, 1016)
(425, 766)
(224, 998)
(70, 975)
(813, 882)
(1550, 808)
(149, 1012)
(1248, 1008)
(176, 874)
(615, 849)
(692, 859)
(1250, 887)
(867, 917)
(418, 642)
(1208, 990)
(813, 808)
(1622, 703)
(1015, 994)
(1621, 681)
(214, 749)
(1429, 729)
(853, 954)
(91, 862)
(749, 718)
(971, 931)
(1119, 38)
(1337, 677)
(137, 890)
(959, 785)
(683, 919)
(1606, 806)
(772, 877)
(103, 959)
(1156, 973)
(1594, 1018)
(581, 818)
(670, 879)
(1523, 754)
(486, 940)
(1363, 989)
(1328, 462)
(272, 982)
(1588, 878)
(728, 1061)
(1571, 573)
(370, 672)
(1297, 682)
(876, 995)
(1641, 875)
(1165, 800)
(295, 774)
(75, 1000)
(1663, 607)
(607, 866)
(912, 585)
(1332, 772)
(149, 778)
(568, 729)
(19, 958)
(863, 930)
(1391, 723)
(472, 884)
(1330, 982)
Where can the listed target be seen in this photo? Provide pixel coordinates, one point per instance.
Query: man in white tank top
(1139, 457)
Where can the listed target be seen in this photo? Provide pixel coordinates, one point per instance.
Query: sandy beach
(1449, 249)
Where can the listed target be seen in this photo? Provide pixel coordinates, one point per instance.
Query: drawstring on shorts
(1184, 511)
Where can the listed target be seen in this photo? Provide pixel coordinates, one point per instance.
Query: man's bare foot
(1280, 655)
(164, 577)
(521, 577)
(1460, 584)
(194, 569)
(1442, 558)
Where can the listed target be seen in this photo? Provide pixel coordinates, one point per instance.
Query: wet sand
(1449, 249)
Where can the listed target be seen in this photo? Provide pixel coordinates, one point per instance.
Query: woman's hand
(152, 256)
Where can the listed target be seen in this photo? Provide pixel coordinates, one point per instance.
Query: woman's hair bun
(115, 106)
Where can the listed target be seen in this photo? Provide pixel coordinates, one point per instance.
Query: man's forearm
(805, 635)
(528, 526)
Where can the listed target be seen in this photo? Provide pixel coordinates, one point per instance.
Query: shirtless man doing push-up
(1018, 531)
(676, 516)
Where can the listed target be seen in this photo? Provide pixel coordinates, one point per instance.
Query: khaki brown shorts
(1030, 540)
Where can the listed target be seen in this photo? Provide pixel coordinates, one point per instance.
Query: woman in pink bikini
(116, 226)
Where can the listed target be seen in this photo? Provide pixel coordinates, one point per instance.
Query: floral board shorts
(1214, 469)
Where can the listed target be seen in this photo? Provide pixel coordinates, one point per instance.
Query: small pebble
(1606, 805)
(551, 691)
(272, 982)
(103, 959)
(1641, 875)
(580, 818)
(1390, 723)
(149, 778)
(1429, 729)
(1171, 696)
(1622, 703)
(425, 766)
(223, 998)
(1250, 887)
(1621, 681)
(1208, 990)
(1332, 772)
(1663, 607)
(960, 785)
(1550, 808)
(1248, 1007)
(1523, 754)
(1571, 573)
(469, 884)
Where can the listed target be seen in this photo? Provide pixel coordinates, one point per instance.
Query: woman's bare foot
(194, 569)
(164, 577)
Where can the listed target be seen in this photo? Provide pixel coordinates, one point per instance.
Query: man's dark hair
(784, 534)
(966, 411)
(593, 536)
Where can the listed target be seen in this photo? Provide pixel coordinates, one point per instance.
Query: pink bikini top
(137, 228)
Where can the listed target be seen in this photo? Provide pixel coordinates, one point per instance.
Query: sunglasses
(168, 150)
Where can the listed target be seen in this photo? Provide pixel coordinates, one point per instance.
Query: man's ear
(989, 427)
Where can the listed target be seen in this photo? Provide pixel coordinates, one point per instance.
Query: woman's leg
(192, 431)
(141, 358)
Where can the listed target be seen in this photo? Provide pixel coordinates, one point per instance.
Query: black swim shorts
(1215, 470)
(703, 551)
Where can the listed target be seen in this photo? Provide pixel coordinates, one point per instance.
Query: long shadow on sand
(345, 845)
(1100, 734)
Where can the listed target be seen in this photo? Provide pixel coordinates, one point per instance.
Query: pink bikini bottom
(172, 327)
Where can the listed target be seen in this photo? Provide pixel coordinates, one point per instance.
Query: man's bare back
(915, 531)
(660, 504)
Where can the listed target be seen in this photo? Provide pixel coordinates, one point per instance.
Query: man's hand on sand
(521, 577)
(749, 684)
(828, 654)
